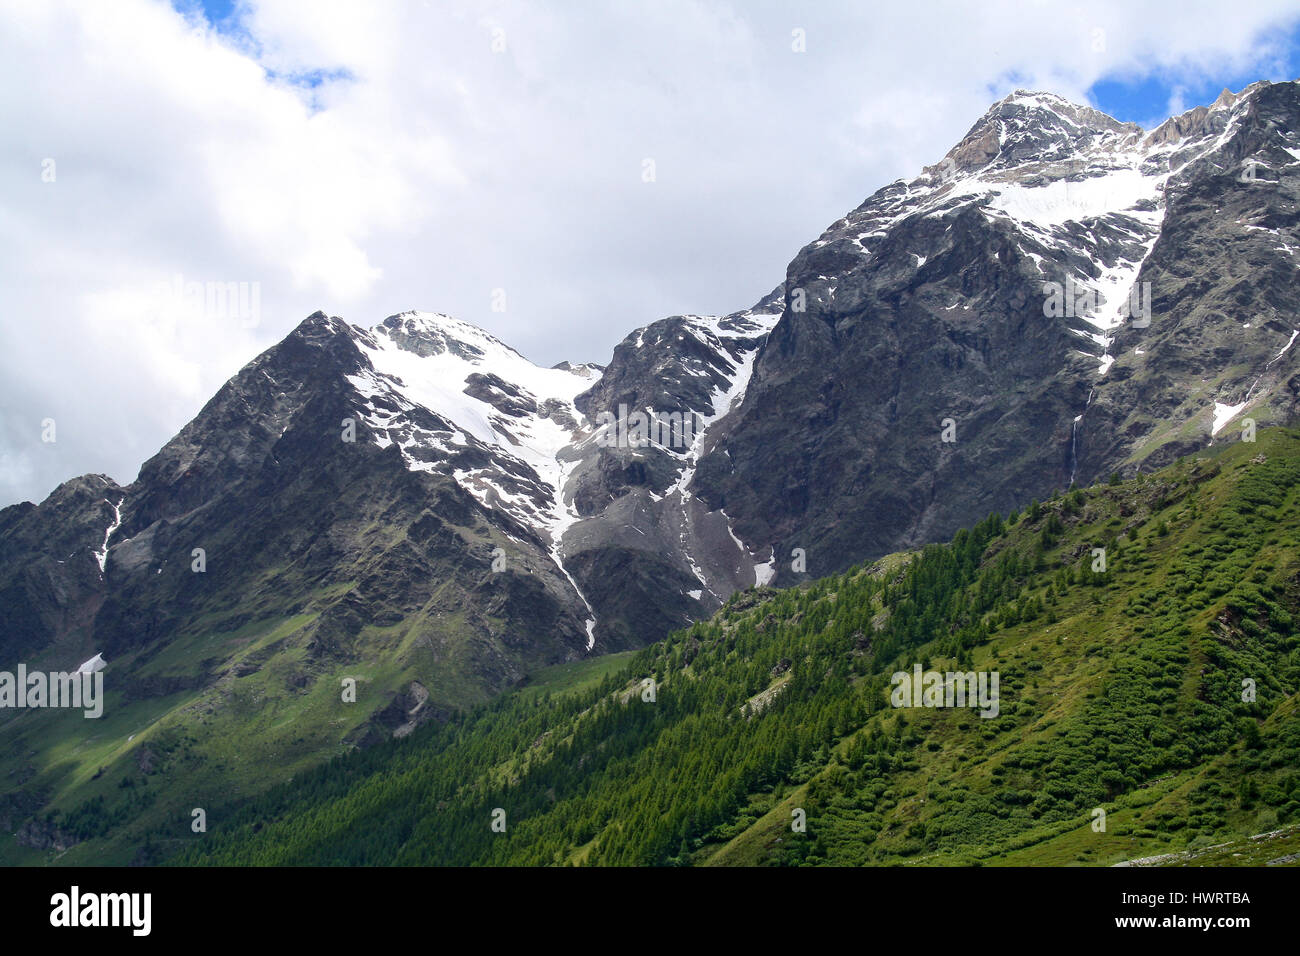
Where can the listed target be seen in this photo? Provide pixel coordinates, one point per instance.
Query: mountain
(989, 298)
(417, 508)
(1119, 728)
(387, 506)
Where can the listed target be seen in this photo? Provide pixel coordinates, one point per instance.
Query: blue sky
(1149, 100)
(216, 11)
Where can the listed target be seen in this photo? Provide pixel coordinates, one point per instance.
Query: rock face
(1225, 293)
(419, 498)
(278, 501)
(51, 569)
(988, 302)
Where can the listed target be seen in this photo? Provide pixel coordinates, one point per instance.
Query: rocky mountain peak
(1202, 120)
(434, 333)
(1029, 126)
(585, 369)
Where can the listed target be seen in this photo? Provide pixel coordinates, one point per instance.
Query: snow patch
(101, 556)
(1287, 347)
(96, 663)
(1062, 201)
(1224, 414)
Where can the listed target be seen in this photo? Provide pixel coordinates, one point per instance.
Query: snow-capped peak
(478, 389)
(457, 401)
(434, 333)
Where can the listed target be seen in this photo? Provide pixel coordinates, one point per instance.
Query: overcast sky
(367, 158)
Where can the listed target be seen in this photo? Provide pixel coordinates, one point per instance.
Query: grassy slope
(1079, 658)
(250, 710)
(1120, 692)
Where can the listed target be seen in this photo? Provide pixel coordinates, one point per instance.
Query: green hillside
(1120, 691)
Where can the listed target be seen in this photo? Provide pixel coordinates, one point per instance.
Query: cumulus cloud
(369, 158)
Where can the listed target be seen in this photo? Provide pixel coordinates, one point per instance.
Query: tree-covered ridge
(1121, 691)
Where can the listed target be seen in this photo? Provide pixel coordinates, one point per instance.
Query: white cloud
(1177, 101)
(437, 170)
